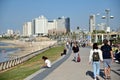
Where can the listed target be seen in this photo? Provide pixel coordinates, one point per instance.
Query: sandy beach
(27, 47)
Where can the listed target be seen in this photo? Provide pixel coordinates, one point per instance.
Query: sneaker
(95, 79)
(108, 77)
(98, 77)
(105, 77)
(116, 61)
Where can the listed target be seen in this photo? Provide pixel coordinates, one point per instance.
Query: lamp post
(107, 17)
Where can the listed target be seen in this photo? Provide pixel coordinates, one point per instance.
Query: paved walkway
(69, 70)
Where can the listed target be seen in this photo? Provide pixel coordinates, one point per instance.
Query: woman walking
(75, 49)
(95, 57)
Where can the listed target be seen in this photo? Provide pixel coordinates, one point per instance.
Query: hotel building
(27, 29)
(41, 26)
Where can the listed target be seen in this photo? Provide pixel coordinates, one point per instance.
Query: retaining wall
(18, 60)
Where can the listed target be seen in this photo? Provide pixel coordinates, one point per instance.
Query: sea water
(6, 52)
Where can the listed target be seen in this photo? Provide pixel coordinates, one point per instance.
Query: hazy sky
(13, 13)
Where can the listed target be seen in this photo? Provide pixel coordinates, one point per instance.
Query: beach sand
(27, 47)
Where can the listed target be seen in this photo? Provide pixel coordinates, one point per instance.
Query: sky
(14, 13)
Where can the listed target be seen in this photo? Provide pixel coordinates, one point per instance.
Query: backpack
(96, 56)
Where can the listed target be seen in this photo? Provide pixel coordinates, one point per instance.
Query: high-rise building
(51, 25)
(41, 26)
(27, 29)
(62, 25)
(91, 23)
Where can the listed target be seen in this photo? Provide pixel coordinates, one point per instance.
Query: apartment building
(42, 26)
(27, 29)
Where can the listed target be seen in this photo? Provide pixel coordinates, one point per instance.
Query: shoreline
(26, 47)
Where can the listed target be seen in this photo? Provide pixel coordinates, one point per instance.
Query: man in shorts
(107, 58)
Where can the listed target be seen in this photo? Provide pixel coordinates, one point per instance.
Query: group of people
(104, 55)
(97, 55)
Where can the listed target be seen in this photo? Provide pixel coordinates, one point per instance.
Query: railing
(18, 60)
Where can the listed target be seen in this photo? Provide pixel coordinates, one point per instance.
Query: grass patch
(32, 65)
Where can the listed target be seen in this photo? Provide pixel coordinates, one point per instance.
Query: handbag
(78, 58)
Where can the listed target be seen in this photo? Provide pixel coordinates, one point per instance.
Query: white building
(102, 26)
(10, 32)
(61, 25)
(52, 25)
(40, 25)
(27, 29)
(92, 23)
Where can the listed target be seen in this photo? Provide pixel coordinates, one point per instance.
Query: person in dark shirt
(107, 58)
(64, 52)
(117, 55)
(75, 49)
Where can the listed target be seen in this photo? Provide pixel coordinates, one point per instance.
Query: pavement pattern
(66, 69)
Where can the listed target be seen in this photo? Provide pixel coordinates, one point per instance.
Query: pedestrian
(95, 57)
(75, 49)
(107, 58)
(67, 45)
(117, 55)
(47, 62)
(64, 52)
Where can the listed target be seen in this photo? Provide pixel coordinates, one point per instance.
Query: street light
(107, 17)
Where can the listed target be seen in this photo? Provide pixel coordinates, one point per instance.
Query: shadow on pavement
(90, 73)
(102, 73)
(116, 72)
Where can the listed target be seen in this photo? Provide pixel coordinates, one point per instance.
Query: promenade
(66, 69)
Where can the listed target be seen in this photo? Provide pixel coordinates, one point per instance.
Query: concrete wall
(18, 60)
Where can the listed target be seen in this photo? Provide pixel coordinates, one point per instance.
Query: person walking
(107, 58)
(95, 57)
(47, 62)
(75, 49)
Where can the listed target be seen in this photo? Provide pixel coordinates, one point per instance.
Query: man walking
(107, 58)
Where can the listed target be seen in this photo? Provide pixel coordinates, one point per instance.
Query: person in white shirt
(47, 62)
(95, 57)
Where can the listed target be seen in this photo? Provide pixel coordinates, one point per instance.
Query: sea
(5, 53)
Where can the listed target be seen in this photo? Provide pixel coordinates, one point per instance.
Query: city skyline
(42, 26)
(14, 13)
